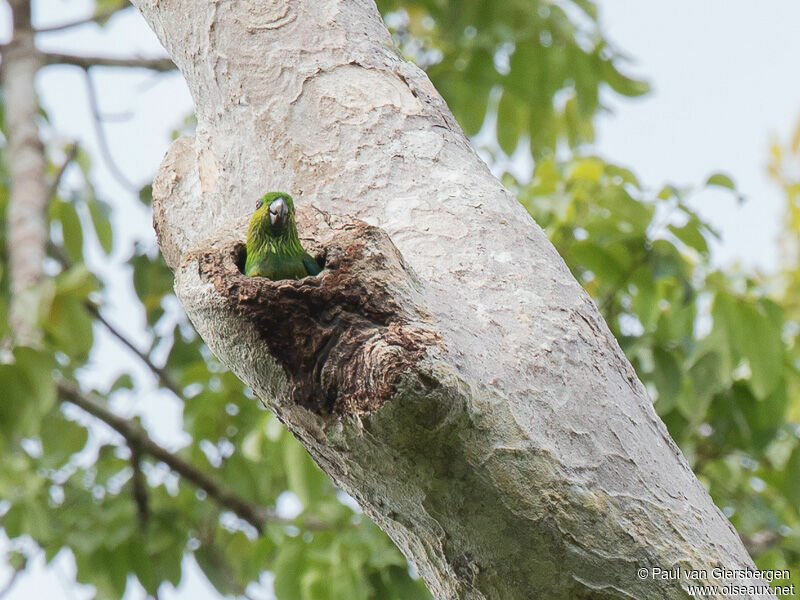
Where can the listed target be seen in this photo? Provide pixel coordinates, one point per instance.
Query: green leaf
(512, 121)
(721, 180)
(84, 161)
(15, 409)
(385, 555)
(621, 84)
(4, 325)
(468, 102)
(315, 586)
(668, 191)
(76, 281)
(242, 477)
(764, 416)
(99, 212)
(625, 209)
(16, 560)
(400, 585)
(703, 383)
(667, 378)
(705, 375)
(546, 177)
(214, 566)
(123, 382)
(289, 566)
(589, 7)
(103, 8)
(754, 336)
(61, 438)
(182, 354)
(72, 230)
(588, 168)
(27, 518)
(765, 355)
(599, 261)
(257, 556)
(142, 565)
(37, 368)
(111, 571)
(722, 338)
(70, 326)
(578, 128)
(345, 583)
(543, 129)
(791, 479)
(146, 195)
(300, 470)
(152, 280)
(691, 235)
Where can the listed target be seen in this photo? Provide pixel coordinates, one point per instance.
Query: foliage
(539, 66)
(717, 349)
(784, 168)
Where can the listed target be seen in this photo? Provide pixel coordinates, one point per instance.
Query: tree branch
(135, 436)
(162, 65)
(140, 496)
(26, 225)
(72, 152)
(102, 140)
(83, 21)
(162, 375)
(10, 583)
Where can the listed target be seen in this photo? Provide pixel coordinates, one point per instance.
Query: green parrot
(273, 246)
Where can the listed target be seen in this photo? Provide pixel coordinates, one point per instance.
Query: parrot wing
(312, 267)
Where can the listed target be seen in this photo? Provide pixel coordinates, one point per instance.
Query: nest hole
(240, 256)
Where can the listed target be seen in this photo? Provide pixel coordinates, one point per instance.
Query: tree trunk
(27, 228)
(445, 369)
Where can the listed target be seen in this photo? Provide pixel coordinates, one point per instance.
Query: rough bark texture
(27, 233)
(344, 338)
(463, 387)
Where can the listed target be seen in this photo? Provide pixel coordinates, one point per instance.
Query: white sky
(724, 75)
(725, 82)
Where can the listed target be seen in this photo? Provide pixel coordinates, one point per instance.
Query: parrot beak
(278, 213)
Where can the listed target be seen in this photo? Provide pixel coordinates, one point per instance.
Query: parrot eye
(259, 204)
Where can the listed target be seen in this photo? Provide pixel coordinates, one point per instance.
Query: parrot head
(274, 212)
(273, 247)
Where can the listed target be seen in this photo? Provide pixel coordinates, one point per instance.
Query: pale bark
(449, 373)
(26, 223)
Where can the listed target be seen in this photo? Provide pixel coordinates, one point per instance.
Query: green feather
(312, 266)
(274, 250)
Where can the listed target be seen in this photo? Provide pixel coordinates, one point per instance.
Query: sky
(724, 78)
